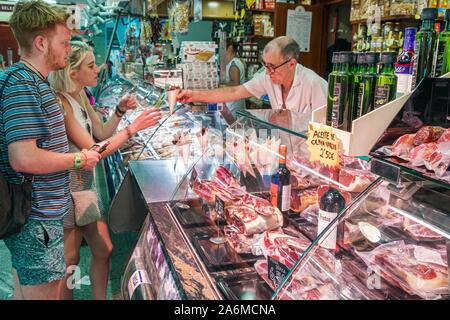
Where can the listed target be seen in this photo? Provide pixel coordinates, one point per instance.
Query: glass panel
(395, 243)
(158, 142)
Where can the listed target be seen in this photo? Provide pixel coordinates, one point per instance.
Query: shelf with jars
(379, 25)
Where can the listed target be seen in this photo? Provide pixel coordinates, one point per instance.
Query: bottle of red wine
(330, 204)
(280, 186)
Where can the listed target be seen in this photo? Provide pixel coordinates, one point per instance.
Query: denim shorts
(37, 253)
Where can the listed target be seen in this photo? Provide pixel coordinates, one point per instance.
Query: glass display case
(225, 206)
(158, 142)
(226, 224)
(395, 246)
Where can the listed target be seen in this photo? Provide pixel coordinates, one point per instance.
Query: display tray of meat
(426, 151)
(420, 271)
(244, 286)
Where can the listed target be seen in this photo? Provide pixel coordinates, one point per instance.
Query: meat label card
(276, 270)
(220, 207)
(324, 146)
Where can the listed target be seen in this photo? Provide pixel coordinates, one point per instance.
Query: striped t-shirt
(29, 110)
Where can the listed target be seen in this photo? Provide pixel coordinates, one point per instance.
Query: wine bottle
(442, 65)
(425, 46)
(280, 186)
(386, 83)
(405, 62)
(330, 204)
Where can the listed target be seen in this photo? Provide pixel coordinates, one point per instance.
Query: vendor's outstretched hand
(185, 96)
(127, 102)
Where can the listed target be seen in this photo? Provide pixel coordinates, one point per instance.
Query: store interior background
(222, 12)
(331, 27)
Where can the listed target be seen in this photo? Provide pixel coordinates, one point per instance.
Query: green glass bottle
(366, 92)
(357, 86)
(442, 64)
(339, 94)
(425, 46)
(386, 83)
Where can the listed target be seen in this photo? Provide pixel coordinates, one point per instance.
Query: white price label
(139, 277)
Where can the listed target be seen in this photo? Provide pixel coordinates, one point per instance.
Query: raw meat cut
(419, 154)
(355, 180)
(302, 199)
(420, 232)
(299, 182)
(260, 205)
(237, 240)
(226, 178)
(403, 145)
(207, 190)
(445, 136)
(427, 134)
(415, 269)
(283, 248)
(249, 222)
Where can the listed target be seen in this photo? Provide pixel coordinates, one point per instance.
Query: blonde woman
(82, 124)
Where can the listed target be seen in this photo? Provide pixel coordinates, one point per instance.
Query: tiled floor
(123, 244)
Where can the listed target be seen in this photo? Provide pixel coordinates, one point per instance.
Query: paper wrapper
(185, 152)
(202, 136)
(172, 98)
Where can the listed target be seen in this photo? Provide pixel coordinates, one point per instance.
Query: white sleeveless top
(82, 117)
(238, 104)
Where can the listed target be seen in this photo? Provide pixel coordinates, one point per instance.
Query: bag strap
(25, 176)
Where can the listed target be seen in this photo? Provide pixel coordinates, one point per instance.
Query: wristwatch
(77, 161)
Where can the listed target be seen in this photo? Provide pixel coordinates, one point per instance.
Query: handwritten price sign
(324, 146)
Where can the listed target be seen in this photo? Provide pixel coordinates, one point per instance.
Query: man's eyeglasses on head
(273, 68)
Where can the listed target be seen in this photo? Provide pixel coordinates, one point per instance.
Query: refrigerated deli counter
(209, 231)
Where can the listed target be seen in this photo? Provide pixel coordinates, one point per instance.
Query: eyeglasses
(271, 68)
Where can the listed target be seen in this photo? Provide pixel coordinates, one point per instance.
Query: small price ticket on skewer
(324, 146)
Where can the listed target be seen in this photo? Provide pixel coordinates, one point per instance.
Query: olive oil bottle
(386, 83)
(442, 64)
(366, 93)
(339, 91)
(357, 87)
(425, 46)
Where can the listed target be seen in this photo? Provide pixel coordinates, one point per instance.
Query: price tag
(219, 207)
(324, 146)
(276, 271)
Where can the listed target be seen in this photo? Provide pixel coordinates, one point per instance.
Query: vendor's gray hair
(287, 47)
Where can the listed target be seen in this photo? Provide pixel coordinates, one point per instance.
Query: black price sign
(277, 270)
(219, 207)
(386, 170)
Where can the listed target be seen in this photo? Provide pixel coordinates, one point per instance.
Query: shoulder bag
(15, 199)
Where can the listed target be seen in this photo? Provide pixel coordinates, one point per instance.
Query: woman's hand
(146, 119)
(126, 103)
(90, 158)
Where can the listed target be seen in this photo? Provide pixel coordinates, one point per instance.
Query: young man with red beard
(33, 141)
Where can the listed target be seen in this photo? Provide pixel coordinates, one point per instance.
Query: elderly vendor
(288, 84)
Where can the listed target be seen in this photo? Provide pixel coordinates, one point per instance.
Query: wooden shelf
(261, 10)
(394, 18)
(257, 36)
